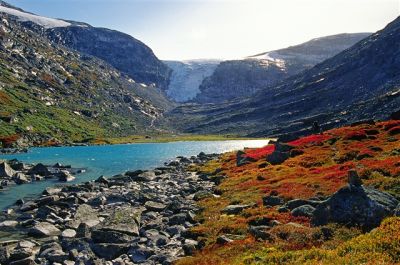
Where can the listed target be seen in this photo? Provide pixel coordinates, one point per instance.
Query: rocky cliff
(242, 78)
(122, 51)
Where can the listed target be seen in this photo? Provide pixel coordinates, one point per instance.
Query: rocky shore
(14, 172)
(139, 217)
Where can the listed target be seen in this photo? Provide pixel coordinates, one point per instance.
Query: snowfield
(42, 21)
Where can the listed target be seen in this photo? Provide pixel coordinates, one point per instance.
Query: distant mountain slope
(48, 91)
(312, 52)
(362, 82)
(187, 76)
(243, 78)
(121, 50)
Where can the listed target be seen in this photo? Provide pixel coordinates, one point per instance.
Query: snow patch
(42, 21)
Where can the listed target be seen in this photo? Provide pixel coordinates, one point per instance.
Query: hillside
(313, 200)
(51, 94)
(187, 76)
(242, 78)
(358, 83)
(118, 49)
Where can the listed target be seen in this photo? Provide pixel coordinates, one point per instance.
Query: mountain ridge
(242, 78)
(358, 83)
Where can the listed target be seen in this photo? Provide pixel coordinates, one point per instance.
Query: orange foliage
(4, 98)
(316, 172)
(7, 141)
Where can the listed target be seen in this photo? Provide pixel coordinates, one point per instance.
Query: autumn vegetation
(316, 170)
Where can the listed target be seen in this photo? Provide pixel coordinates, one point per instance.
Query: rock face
(122, 51)
(242, 78)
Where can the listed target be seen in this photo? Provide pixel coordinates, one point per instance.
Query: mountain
(362, 82)
(242, 78)
(120, 50)
(187, 76)
(49, 93)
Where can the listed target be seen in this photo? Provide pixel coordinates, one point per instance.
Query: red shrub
(356, 135)
(387, 125)
(312, 139)
(7, 141)
(394, 130)
(260, 152)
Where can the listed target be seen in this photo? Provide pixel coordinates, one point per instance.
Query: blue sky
(227, 29)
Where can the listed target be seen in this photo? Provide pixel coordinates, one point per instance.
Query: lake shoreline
(17, 148)
(155, 208)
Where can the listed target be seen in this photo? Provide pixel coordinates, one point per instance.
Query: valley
(110, 155)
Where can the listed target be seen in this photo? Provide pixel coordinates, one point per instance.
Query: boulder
(83, 231)
(292, 204)
(102, 180)
(68, 233)
(4, 255)
(124, 220)
(304, 210)
(178, 219)
(140, 175)
(39, 169)
(16, 165)
(140, 254)
(189, 246)
(20, 178)
(44, 229)
(51, 191)
(84, 214)
(154, 206)
(6, 171)
(109, 251)
(222, 240)
(241, 159)
(175, 230)
(65, 176)
(8, 224)
(280, 154)
(356, 206)
(272, 200)
(20, 254)
(28, 206)
(106, 236)
(27, 261)
(235, 209)
(260, 232)
(26, 244)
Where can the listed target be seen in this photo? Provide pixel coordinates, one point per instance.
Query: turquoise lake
(109, 160)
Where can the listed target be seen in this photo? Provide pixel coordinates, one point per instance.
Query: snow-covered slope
(312, 52)
(42, 21)
(187, 76)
